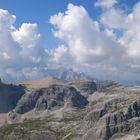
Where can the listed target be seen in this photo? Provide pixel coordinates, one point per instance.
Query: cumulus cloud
(21, 49)
(129, 24)
(131, 35)
(86, 43)
(106, 49)
(31, 44)
(113, 18)
(60, 53)
(8, 47)
(105, 3)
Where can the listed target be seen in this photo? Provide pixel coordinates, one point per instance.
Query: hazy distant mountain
(70, 75)
(61, 73)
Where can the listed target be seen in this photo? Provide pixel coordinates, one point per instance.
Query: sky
(98, 37)
(39, 12)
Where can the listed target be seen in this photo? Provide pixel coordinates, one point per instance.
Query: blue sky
(98, 37)
(39, 11)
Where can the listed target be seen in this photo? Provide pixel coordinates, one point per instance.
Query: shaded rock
(9, 96)
(50, 98)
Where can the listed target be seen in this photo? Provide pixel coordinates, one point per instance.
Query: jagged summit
(70, 75)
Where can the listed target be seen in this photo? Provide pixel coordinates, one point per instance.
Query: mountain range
(50, 109)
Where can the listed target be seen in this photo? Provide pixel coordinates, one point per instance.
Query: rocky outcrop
(51, 98)
(9, 96)
(88, 87)
(123, 122)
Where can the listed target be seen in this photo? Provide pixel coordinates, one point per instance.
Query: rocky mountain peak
(70, 75)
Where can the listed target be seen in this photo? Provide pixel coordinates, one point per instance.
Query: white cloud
(8, 47)
(110, 33)
(20, 49)
(27, 35)
(30, 42)
(6, 19)
(104, 54)
(105, 3)
(60, 53)
(130, 38)
(113, 18)
(91, 50)
(86, 43)
(131, 35)
(129, 24)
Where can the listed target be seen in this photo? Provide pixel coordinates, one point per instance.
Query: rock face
(109, 111)
(51, 98)
(84, 86)
(9, 96)
(123, 122)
